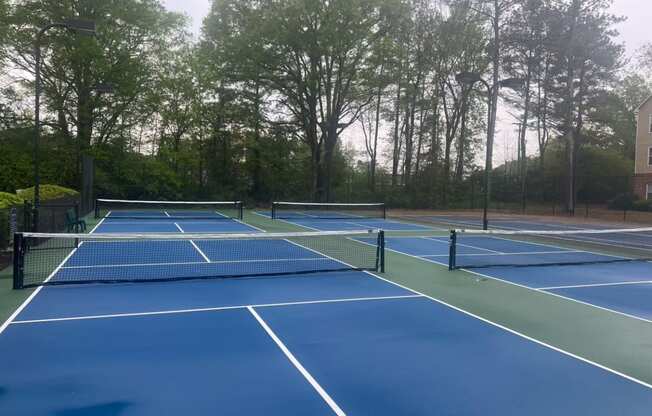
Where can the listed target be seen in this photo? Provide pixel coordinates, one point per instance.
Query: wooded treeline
(259, 105)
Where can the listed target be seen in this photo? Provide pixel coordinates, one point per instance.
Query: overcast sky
(634, 32)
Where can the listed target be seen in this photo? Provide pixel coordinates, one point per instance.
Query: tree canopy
(340, 100)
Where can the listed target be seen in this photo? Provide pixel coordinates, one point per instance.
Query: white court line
(439, 240)
(596, 285)
(508, 282)
(357, 224)
(98, 224)
(36, 291)
(249, 225)
(503, 327)
(487, 321)
(101, 266)
(561, 248)
(486, 276)
(331, 403)
(211, 309)
(269, 217)
(288, 222)
(201, 253)
(498, 254)
(584, 238)
(424, 227)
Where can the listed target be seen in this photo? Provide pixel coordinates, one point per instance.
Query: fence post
(452, 255)
(13, 222)
(380, 254)
(19, 256)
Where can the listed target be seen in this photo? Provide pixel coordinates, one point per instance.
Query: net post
(240, 210)
(384, 211)
(19, 261)
(380, 254)
(273, 210)
(97, 209)
(452, 251)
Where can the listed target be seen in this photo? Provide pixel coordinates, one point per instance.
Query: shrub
(8, 200)
(47, 192)
(642, 205)
(624, 201)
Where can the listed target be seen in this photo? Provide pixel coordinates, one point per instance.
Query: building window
(650, 123)
(649, 156)
(648, 191)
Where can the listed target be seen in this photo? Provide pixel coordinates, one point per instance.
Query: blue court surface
(515, 222)
(622, 287)
(173, 225)
(350, 223)
(339, 343)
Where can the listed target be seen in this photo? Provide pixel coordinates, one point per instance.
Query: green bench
(73, 223)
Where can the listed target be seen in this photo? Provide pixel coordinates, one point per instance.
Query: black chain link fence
(51, 218)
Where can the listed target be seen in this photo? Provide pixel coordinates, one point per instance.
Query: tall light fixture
(470, 78)
(81, 27)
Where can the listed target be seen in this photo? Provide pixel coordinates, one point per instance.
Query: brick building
(643, 159)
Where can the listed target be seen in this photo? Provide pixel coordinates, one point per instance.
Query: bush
(642, 205)
(624, 202)
(47, 192)
(8, 200)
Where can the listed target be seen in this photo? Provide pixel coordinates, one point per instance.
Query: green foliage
(46, 192)
(625, 201)
(642, 205)
(257, 108)
(8, 200)
(58, 159)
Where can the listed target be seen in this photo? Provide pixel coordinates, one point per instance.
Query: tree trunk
(522, 138)
(570, 105)
(397, 149)
(461, 143)
(493, 104)
(374, 153)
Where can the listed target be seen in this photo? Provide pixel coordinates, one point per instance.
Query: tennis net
(125, 208)
(57, 259)
(307, 210)
(472, 249)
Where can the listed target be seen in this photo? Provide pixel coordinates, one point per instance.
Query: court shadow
(105, 409)
(3, 391)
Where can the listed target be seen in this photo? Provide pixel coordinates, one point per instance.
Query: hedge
(46, 192)
(8, 200)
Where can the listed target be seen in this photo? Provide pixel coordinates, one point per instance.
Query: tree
(585, 58)
(130, 38)
(311, 54)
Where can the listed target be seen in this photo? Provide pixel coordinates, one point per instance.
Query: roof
(644, 102)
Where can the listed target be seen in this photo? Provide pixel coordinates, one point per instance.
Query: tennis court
(338, 216)
(564, 263)
(319, 335)
(124, 216)
(501, 222)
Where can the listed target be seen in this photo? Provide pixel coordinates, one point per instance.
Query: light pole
(470, 78)
(83, 27)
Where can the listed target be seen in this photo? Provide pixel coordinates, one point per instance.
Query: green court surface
(609, 339)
